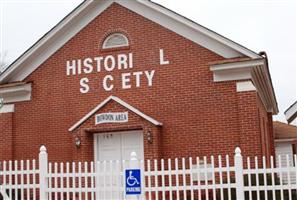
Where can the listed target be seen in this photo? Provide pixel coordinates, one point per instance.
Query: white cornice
(237, 65)
(255, 70)
(8, 108)
(16, 93)
(245, 86)
(121, 102)
(291, 113)
(240, 70)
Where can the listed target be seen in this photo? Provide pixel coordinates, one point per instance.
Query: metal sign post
(133, 179)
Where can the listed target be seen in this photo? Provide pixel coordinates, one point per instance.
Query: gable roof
(291, 112)
(88, 10)
(119, 101)
(284, 131)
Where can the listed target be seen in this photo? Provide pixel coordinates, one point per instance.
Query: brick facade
(199, 117)
(6, 139)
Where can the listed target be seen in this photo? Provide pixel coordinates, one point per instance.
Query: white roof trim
(88, 10)
(290, 113)
(190, 24)
(118, 100)
(255, 70)
(237, 65)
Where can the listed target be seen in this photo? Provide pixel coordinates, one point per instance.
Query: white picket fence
(200, 178)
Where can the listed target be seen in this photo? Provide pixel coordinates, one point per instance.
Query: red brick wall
(6, 136)
(199, 117)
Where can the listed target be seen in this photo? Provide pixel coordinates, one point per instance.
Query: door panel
(119, 145)
(108, 147)
(132, 141)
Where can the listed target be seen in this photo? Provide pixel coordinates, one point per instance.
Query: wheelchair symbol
(131, 180)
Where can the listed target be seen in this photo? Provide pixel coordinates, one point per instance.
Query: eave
(252, 69)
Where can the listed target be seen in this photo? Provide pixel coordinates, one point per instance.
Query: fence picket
(149, 179)
(156, 179)
(86, 180)
(289, 177)
(228, 177)
(4, 175)
(16, 180)
(257, 177)
(142, 179)
(79, 181)
(62, 181)
(170, 179)
(92, 181)
(67, 181)
(28, 179)
(249, 174)
(176, 178)
(73, 181)
(272, 177)
(265, 177)
(295, 161)
(50, 184)
(191, 177)
(163, 179)
(22, 179)
(205, 177)
(221, 177)
(56, 180)
(213, 178)
(184, 177)
(10, 178)
(198, 177)
(281, 177)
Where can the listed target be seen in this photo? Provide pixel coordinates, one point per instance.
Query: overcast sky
(260, 25)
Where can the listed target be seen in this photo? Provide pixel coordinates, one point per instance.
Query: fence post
(43, 163)
(238, 164)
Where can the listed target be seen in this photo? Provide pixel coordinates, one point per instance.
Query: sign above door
(114, 117)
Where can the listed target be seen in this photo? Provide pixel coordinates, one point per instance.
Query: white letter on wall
(109, 63)
(126, 80)
(137, 76)
(105, 85)
(150, 76)
(162, 59)
(88, 67)
(71, 68)
(84, 87)
(122, 61)
(130, 60)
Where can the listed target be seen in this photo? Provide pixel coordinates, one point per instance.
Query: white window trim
(115, 46)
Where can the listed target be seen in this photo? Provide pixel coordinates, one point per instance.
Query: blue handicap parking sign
(133, 181)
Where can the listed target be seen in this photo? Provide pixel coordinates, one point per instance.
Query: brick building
(119, 76)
